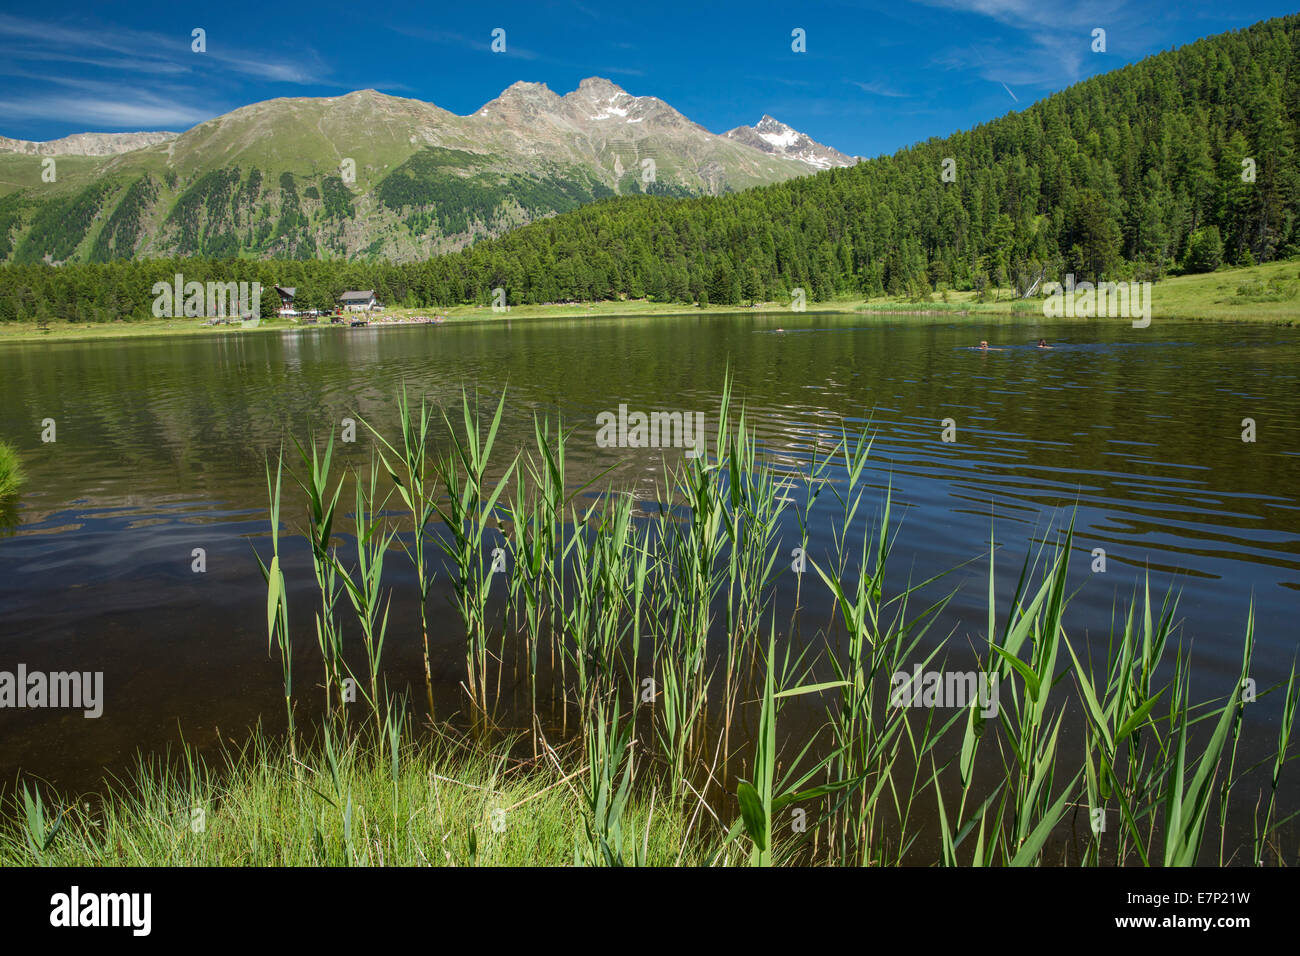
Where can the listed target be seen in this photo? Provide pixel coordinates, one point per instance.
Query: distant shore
(1264, 293)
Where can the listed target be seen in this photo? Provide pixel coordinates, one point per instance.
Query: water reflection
(162, 444)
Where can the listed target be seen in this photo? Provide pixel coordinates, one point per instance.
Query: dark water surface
(161, 446)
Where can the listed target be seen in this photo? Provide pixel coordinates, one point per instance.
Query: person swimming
(1042, 344)
(984, 347)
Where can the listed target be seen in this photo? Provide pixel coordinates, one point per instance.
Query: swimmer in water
(1042, 344)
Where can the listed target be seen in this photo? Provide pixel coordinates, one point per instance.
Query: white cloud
(132, 79)
(107, 113)
(1057, 38)
(145, 51)
(877, 88)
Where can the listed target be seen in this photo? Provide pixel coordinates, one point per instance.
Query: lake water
(161, 444)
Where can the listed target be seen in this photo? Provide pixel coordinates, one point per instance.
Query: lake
(161, 445)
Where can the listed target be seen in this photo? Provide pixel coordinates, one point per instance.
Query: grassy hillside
(361, 176)
(1178, 164)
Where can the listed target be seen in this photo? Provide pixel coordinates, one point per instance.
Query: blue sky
(876, 75)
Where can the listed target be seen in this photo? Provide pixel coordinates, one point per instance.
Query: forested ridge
(1180, 162)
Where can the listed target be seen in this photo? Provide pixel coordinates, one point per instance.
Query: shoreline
(26, 333)
(1190, 298)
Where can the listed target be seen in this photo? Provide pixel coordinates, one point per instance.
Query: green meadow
(1260, 293)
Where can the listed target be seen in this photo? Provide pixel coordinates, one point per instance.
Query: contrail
(1009, 93)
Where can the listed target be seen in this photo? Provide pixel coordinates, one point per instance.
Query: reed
(277, 600)
(608, 793)
(11, 470)
(364, 586)
(659, 636)
(469, 513)
(408, 467)
(1291, 698)
(322, 505)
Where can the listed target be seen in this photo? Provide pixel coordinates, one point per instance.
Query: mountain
(773, 136)
(366, 175)
(1185, 160)
(85, 144)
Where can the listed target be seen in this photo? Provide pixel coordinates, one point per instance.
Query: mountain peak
(597, 98)
(600, 86)
(780, 139)
(524, 86)
(525, 97)
(427, 180)
(769, 121)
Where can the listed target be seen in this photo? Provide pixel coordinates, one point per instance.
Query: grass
(647, 667)
(1215, 295)
(11, 470)
(438, 803)
(1270, 295)
(1261, 293)
(60, 331)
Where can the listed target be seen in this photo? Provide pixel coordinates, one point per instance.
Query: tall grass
(436, 803)
(468, 511)
(654, 650)
(656, 633)
(322, 505)
(11, 470)
(277, 600)
(408, 466)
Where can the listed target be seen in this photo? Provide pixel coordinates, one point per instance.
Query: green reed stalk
(763, 796)
(365, 591)
(1187, 801)
(752, 525)
(417, 491)
(1029, 727)
(526, 584)
(598, 580)
(550, 477)
(321, 507)
(277, 602)
(1285, 729)
(1120, 764)
(468, 512)
(608, 791)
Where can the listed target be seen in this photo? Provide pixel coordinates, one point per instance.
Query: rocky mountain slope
(85, 144)
(369, 175)
(774, 137)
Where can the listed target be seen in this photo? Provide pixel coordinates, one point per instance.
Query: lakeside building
(359, 301)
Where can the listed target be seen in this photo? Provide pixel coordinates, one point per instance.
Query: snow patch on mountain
(773, 136)
(783, 140)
